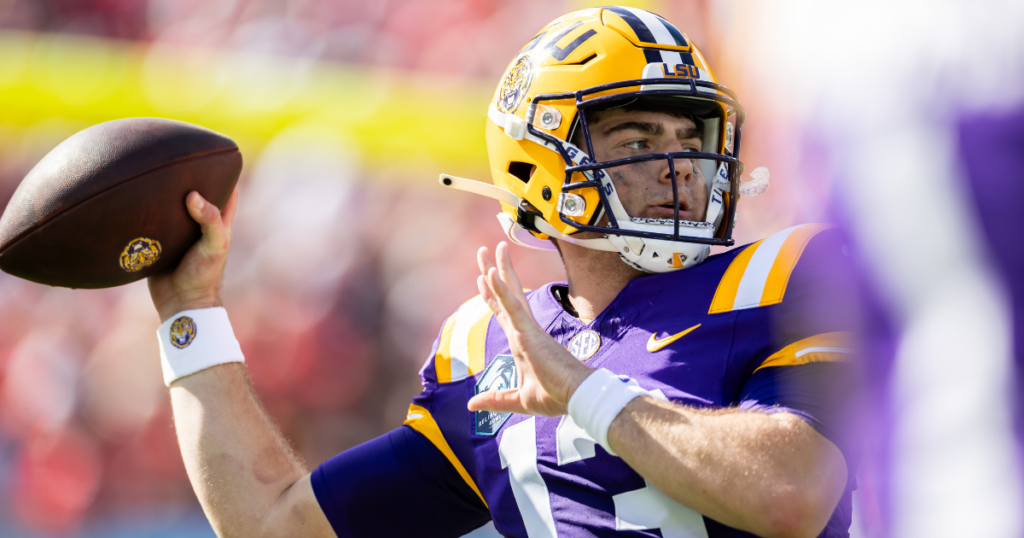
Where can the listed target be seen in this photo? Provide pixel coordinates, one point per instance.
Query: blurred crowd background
(347, 256)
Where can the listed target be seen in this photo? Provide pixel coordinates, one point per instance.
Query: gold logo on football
(140, 254)
(183, 331)
(513, 88)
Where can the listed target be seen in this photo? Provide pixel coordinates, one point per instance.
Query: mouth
(667, 211)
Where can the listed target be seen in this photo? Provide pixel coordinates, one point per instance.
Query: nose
(683, 167)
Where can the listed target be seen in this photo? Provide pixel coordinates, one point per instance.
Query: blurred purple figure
(912, 110)
(992, 152)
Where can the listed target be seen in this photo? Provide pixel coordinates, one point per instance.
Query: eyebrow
(642, 127)
(654, 129)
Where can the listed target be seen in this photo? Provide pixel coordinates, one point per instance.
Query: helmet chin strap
(511, 227)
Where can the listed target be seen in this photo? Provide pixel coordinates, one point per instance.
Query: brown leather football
(107, 206)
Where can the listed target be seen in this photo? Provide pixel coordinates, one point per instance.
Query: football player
(659, 390)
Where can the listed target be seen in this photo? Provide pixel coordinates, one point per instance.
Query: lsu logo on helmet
(515, 85)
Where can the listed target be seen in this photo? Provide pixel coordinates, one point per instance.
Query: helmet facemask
(663, 244)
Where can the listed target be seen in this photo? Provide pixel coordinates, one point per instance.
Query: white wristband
(598, 400)
(195, 340)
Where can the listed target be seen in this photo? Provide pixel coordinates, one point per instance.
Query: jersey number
(645, 508)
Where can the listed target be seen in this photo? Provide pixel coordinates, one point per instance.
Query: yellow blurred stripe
(394, 119)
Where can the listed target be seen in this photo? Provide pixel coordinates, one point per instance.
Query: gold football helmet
(591, 60)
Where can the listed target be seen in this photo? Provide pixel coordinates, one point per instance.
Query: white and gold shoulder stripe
(460, 353)
(758, 276)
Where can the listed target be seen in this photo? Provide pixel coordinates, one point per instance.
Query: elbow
(796, 515)
(802, 500)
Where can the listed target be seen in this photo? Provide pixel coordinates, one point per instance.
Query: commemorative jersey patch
(183, 331)
(584, 345)
(500, 374)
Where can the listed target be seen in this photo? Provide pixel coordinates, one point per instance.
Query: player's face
(645, 188)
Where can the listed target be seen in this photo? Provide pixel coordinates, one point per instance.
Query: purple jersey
(764, 325)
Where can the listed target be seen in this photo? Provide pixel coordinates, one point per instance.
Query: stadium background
(347, 256)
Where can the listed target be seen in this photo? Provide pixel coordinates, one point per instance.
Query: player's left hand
(548, 373)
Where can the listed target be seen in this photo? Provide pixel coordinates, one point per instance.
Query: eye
(636, 144)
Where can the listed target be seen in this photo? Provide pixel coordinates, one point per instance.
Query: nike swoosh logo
(654, 344)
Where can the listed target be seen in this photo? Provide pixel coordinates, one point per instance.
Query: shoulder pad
(758, 276)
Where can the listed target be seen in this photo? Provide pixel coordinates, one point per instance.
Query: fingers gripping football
(548, 373)
(196, 281)
(216, 224)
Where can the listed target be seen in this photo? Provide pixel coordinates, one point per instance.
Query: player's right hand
(196, 281)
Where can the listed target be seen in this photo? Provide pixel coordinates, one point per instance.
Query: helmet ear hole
(523, 171)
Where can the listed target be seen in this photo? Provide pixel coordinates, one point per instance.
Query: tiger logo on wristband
(183, 331)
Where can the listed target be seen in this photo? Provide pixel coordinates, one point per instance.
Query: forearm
(237, 461)
(770, 474)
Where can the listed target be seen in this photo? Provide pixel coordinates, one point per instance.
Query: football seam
(18, 238)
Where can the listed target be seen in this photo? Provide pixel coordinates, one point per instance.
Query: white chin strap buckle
(512, 125)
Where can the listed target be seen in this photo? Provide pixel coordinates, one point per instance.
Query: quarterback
(660, 391)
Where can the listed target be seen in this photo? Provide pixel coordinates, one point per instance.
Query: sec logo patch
(183, 331)
(584, 345)
(500, 374)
